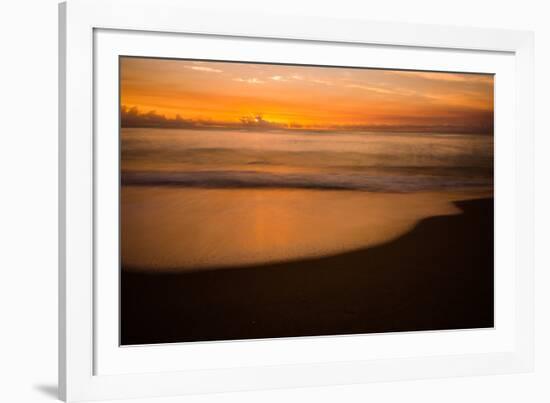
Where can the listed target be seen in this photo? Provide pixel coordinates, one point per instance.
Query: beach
(205, 199)
(436, 275)
(270, 200)
(186, 229)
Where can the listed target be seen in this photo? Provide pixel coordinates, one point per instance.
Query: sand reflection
(167, 228)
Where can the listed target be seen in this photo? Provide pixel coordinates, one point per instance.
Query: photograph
(262, 200)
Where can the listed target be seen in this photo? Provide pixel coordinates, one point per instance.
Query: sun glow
(303, 97)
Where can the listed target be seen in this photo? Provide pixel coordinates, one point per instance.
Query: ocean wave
(327, 181)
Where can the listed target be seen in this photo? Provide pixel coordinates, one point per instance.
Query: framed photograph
(255, 201)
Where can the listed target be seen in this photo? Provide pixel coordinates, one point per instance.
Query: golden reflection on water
(165, 228)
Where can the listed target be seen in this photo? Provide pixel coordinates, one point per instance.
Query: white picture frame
(85, 336)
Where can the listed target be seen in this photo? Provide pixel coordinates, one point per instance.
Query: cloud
(464, 121)
(204, 68)
(314, 80)
(257, 121)
(398, 91)
(318, 81)
(252, 80)
(133, 117)
(444, 76)
(370, 88)
(298, 77)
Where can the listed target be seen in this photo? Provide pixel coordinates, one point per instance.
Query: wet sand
(437, 276)
(187, 229)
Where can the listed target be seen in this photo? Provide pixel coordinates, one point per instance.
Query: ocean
(209, 199)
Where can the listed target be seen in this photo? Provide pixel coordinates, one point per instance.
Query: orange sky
(224, 93)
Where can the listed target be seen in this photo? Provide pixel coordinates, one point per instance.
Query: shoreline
(437, 276)
(188, 229)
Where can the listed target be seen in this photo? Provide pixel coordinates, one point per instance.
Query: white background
(28, 199)
(110, 359)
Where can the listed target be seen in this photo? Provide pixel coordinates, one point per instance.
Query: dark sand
(437, 276)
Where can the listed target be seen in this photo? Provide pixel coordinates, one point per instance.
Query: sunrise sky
(182, 93)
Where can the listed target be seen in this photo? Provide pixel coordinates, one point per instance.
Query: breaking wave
(328, 181)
